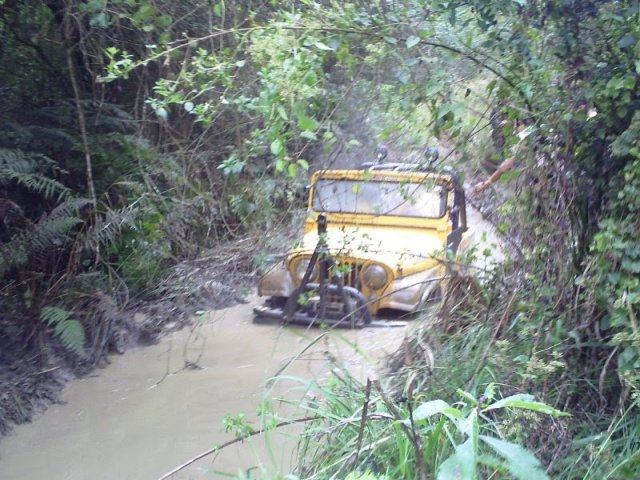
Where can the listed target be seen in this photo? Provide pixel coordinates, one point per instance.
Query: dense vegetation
(136, 133)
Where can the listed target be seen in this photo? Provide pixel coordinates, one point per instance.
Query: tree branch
(234, 441)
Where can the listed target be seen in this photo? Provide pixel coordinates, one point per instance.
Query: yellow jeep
(373, 239)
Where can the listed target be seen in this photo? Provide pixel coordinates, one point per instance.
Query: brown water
(143, 415)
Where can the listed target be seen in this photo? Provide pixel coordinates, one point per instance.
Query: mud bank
(33, 373)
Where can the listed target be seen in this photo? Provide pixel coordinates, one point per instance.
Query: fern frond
(17, 160)
(53, 231)
(69, 207)
(48, 187)
(54, 141)
(22, 168)
(48, 232)
(100, 118)
(109, 226)
(70, 332)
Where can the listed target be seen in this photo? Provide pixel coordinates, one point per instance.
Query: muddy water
(144, 414)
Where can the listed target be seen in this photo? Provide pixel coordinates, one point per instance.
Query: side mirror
(381, 153)
(431, 154)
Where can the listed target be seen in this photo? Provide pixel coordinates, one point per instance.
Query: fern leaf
(53, 231)
(16, 160)
(48, 232)
(109, 226)
(69, 208)
(70, 332)
(48, 187)
(26, 169)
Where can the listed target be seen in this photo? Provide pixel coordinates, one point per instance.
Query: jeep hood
(399, 249)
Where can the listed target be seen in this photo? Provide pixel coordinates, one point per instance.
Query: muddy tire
(276, 302)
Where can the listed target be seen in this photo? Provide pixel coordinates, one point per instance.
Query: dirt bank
(32, 377)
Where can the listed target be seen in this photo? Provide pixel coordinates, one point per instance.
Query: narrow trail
(145, 413)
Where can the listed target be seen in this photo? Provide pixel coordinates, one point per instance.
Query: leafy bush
(369, 434)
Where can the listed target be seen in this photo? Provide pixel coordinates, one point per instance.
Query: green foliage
(364, 476)
(21, 168)
(432, 439)
(616, 265)
(32, 243)
(70, 332)
(142, 249)
(238, 425)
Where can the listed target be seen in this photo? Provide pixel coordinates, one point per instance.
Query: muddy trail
(155, 407)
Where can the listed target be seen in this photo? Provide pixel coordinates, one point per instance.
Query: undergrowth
(369, 432)
(475, 393)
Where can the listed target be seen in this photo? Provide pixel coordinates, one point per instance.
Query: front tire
(276, 302)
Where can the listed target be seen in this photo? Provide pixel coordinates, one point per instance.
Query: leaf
(303, 164)
(403, 75)
(469, 426)
(188, 106)
(521, 463)
(443, 110)
(459, 466)
(307, 124)
(412, 41)
(628, 40)
(292, 170)
(282, 112)
(433, 87)
(69, 331)
(467, 396)
(322, 46)
(100, 20)
(277, 148)
(162, 113)
(435, 407)
(490, 392)
(71, 334)
(458, 109)
(309, 135)
(391, 40)
(526, 402)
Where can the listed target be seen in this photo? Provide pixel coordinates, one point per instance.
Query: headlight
(374, 277)
(301, 268)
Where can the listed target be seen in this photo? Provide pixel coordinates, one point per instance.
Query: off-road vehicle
(374, 239)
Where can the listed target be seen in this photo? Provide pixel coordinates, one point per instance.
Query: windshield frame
(402, 182)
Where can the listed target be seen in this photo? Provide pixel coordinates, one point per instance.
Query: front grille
(350, 273)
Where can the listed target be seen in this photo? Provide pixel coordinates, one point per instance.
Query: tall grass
(372, 431)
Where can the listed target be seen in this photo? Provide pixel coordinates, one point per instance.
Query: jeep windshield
(373, 197)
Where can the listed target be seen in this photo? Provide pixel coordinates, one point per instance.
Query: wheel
(276, 302)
